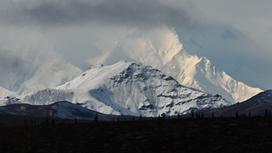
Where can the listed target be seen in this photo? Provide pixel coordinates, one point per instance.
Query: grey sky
(78, 29)
(69, 12)
(253, 17)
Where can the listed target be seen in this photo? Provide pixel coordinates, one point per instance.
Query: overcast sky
(79, 29)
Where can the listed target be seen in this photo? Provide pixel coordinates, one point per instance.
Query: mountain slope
(162, 49)
(129, 89)
(258, 105)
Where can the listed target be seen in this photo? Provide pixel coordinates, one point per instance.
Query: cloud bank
(67, 12)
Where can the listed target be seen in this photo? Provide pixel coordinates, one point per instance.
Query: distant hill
(259, 105)
(61, 110)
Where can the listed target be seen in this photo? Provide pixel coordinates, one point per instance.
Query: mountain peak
(129, 88)
(166, 53)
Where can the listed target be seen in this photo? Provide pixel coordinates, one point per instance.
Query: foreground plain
(224, 135)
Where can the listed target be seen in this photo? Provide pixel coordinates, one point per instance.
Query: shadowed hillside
(259, 105)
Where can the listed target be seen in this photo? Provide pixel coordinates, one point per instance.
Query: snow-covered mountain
(123, 88)
(162, 49)
(129, 89)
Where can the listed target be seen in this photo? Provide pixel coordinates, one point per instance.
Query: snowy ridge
(200, 73)
(162, 49)
(129, 89)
